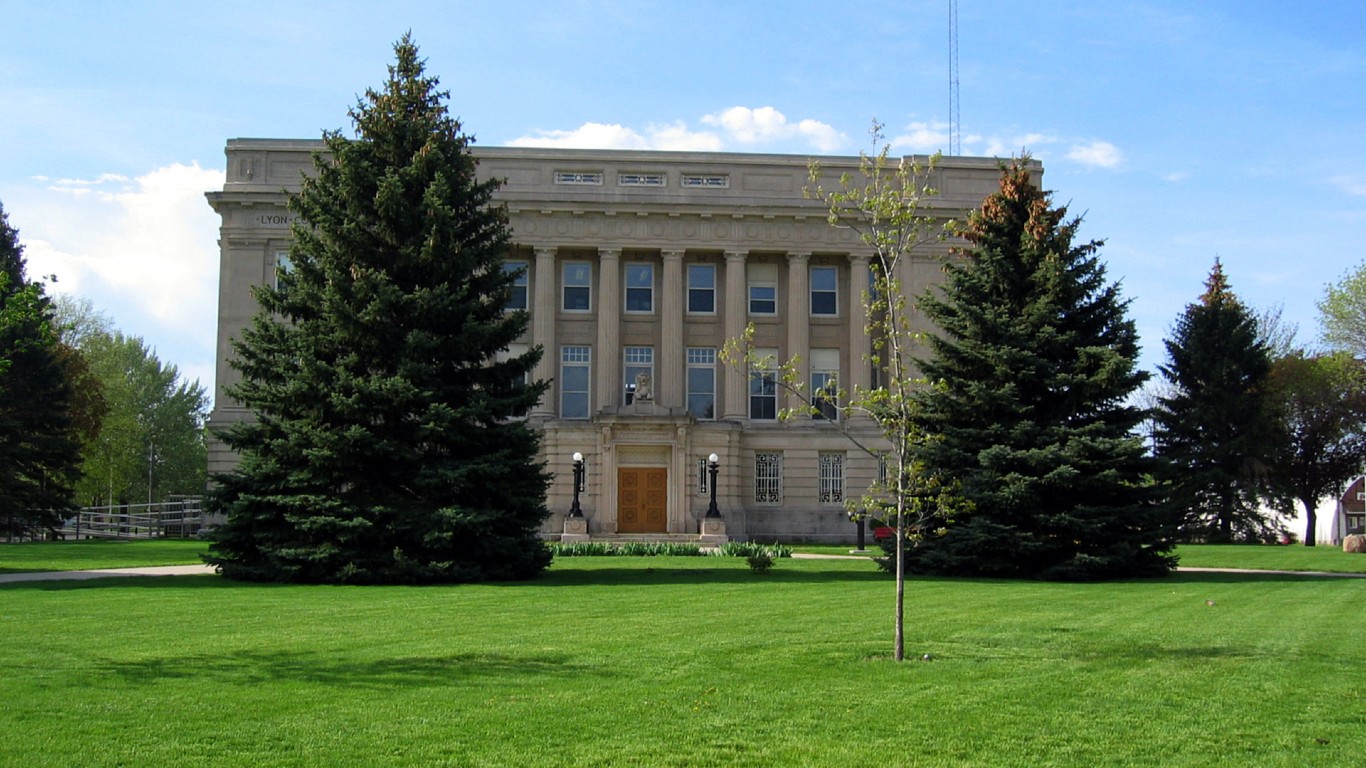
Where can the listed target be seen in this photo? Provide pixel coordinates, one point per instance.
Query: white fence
(181, 518)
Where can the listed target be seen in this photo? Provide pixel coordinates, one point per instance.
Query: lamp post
(575, 510)
(713, 464)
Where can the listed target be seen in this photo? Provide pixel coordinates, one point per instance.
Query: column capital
(733, 257)
(860, 259)
(671, 255)
(798, 257)
(546, 251)
(609, 253)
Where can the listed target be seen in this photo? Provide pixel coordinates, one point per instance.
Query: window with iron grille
(831, 480)
(768, 478)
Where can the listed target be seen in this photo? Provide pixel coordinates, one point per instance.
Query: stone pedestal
(575, 530)
(713, 532)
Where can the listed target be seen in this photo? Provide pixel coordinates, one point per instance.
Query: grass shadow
(253, 667)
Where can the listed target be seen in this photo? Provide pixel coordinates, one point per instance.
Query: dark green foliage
(1214, 429)
(38, 444)
(380, 454)
(1319, 407)
(1031, 373)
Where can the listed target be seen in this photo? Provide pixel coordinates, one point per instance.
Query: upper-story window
(701, 288)
(574, 379)
(763, 289)
(521, 281)
(642, 179)
(702, 382)
(282, 265)
(825, 367)
(638, 370)
(591, 178)
(763, 386)
(708, 181)
(640, 287)
(577, 286)
(824, 291)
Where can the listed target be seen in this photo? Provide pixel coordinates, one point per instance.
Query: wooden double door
(642, 500)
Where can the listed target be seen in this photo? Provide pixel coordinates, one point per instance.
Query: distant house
(1351, 511)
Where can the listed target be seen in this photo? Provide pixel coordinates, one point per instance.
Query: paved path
(105, 573)
(200, 570)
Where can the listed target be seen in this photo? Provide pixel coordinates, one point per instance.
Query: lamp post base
(713, 532)
(575, 530)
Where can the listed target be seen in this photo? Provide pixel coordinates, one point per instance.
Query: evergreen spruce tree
(1214, 428)
(381, 452)
(39, 449)
(1030, 377)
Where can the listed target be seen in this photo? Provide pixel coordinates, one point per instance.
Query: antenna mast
(955, 144)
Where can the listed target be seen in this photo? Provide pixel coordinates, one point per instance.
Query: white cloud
(586, 136)
(1352, 185)
(1100, 154)
(144, 250)
(752, 128)
(923, 138)
(767, 125)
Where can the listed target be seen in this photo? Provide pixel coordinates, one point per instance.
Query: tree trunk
(1310, 514)
(899, 643)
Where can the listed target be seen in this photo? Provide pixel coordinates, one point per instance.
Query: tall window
(763, 387)
(768, 478)
(701, 288)
(574, 378)
(515, 350)
(830, 483)
(518, 299)
(639, 361)
(640, 287)
(824, 291)
(702, 382)
(825, 371)
(763, 289)
(282, 264)
(577, 286)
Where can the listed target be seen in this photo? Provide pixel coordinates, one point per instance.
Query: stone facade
(639, 266)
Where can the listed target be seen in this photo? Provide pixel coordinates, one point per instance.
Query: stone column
(735, 405)
(543, 309)
(799, 326)
(669, 366)
(607, 356)
(860, 344)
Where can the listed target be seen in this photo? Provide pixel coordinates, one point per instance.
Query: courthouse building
(638, 266)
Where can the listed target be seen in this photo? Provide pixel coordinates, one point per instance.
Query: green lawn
(1295, 557)
(684, 662)
(98, 553)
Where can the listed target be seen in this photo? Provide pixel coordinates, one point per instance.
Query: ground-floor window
(768, 478)
(831, 479)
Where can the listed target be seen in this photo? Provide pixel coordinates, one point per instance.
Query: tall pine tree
(39, 449)
(1030, 377)
(1214, 429)
(381, 453)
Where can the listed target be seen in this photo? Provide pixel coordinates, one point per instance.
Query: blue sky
(1184, 131)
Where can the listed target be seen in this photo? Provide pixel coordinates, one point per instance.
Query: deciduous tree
(1319, 407)
(381, 451)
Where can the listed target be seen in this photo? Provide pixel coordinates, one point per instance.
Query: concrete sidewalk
(105, 573)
